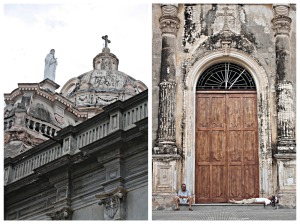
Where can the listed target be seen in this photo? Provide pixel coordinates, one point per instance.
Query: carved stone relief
(114, 204)
(63, 214)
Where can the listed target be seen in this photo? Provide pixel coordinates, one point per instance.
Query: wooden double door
(226, 146)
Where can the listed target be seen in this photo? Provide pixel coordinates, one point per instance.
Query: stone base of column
(166, 147)
(286, 165)
(286, 146)
(166, 171)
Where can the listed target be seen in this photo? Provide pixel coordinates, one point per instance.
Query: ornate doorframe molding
(263, 109)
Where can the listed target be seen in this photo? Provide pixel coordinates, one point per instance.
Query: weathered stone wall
(238, 33)
(137, 200)
(156, 61)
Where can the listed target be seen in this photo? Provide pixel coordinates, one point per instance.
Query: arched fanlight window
(226, 76)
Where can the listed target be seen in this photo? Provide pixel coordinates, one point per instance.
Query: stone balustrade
(107, 122)
(40, 126)
(134, 114)
(33, 124)
(8, 123)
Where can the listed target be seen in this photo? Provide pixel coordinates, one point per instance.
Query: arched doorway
(226, 138)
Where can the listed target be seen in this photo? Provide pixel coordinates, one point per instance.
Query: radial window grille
(227, 76)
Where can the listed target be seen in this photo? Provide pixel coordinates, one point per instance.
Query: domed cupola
(101, 86)
(106, 60)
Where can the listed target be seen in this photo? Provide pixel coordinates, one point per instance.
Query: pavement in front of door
(226, 212)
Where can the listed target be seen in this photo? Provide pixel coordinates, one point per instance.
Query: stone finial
(281, 21)
(169, 22)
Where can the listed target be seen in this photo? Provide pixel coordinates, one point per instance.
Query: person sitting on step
(183, 197)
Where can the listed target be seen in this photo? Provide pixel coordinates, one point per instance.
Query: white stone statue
(50, 65)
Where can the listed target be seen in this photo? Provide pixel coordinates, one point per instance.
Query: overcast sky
(74, 29)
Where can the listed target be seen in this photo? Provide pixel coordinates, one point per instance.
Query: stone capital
(169, 22)
(282, 25)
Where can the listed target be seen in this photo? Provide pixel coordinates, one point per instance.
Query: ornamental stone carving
(286, 117)
(114, 204)
(169, 22)
(282, 25)
(63, 214)
(281, 21)
(167, 108)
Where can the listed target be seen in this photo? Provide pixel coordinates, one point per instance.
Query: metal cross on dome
(107, 41)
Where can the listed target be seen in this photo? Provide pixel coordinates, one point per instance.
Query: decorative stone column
(286, 145)
(114, 204)
(165, 153)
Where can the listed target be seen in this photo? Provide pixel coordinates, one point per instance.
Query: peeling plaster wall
(156, 61)
(253, 43)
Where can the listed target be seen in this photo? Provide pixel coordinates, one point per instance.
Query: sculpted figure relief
(50, 66)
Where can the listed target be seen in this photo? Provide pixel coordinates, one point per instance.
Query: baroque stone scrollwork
(114, 204)
(62, 214)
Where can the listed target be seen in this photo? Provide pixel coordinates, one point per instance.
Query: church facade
(224, 84)
(81, 154)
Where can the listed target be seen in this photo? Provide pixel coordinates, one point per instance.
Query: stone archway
(264, 140)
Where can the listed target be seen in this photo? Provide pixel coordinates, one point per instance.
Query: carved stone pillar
(285, 89)
(169, 24)
(286, 145)
(166, 157)
(114, 204)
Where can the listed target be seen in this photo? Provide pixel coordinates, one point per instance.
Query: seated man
(183, 197)
(266, 201)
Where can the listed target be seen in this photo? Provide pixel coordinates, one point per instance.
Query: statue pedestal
(286, 164)
(165, 177)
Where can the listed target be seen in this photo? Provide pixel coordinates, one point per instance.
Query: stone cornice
(51, 96)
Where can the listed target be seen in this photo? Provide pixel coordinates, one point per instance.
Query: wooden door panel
(203, 176)
(249, 146)
(203, 112)
(250, 182)
(235, 182)
(226, 147)
(249, 112)
(234, 112)
(235, 147)
(218, 147)
(219, 183)
(217, 112)
(203, 146)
